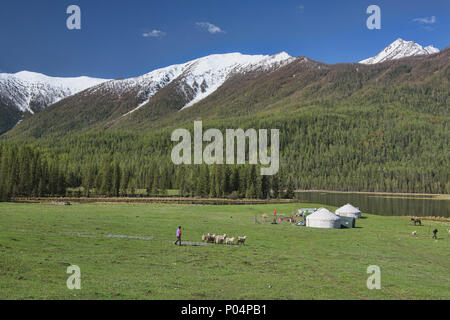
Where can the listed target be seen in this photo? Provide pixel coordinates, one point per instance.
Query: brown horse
(416, 221)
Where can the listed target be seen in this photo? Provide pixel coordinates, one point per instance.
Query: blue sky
(128, 38)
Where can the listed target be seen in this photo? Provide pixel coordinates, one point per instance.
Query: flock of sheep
(218, 239)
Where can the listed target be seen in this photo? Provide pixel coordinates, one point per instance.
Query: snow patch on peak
(31, 91)
(400, 49)
(431, 50)
(197, 78)
(75, 84)
(204, 76)
(145, 86)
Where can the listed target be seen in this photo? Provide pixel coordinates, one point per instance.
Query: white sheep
(221, 239)
(212, 238)
(230, 241)
(206, 238)
(241, 240)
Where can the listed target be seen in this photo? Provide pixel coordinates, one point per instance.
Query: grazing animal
(414, 233)
(212, 238)
(230, 241)
(241, 240)
(206, 238)
(416, 221)
(221, 239)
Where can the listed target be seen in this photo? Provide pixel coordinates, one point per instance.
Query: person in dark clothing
(178, 236)
(435, 231)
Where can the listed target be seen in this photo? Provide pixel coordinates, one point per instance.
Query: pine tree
(234, 179)
(276, 186)
(203, 181)
(107, 179)
(4, 180)
(220, 181)
(117, 175)
(290, 189)
(213, 183)
(155, 190)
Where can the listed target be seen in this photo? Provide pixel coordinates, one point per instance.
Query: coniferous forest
(326, 150)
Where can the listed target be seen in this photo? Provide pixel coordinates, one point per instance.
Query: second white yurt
(349, 211)
(323, 218)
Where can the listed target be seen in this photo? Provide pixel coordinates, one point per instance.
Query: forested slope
(347, 127)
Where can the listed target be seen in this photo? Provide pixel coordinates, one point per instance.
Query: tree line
(370, 149)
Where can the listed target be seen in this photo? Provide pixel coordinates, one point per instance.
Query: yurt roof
(323, 214)
(348, 208)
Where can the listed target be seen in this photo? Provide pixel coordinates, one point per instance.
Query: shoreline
(431, 196)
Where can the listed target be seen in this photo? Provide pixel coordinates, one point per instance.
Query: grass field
(38, 242)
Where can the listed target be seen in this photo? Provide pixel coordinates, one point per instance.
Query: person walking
(178, 236)
(435, 231)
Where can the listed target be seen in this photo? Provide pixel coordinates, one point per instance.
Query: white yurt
(323, 218)
(349, 211)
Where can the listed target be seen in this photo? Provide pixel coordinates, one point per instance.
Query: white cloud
(426, 20)
(301, 8)
(154, 34)
(210, 27)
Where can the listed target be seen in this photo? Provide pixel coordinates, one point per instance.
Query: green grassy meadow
(39, 241)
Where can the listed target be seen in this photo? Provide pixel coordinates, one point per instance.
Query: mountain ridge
(302, 82)
(191, 82)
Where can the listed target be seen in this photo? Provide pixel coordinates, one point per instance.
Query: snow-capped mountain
(157, 93)
(400, 49)
(226, 86)
(31, 92)
(196, 79)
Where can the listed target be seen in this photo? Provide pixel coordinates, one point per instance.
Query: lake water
(386, 205)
